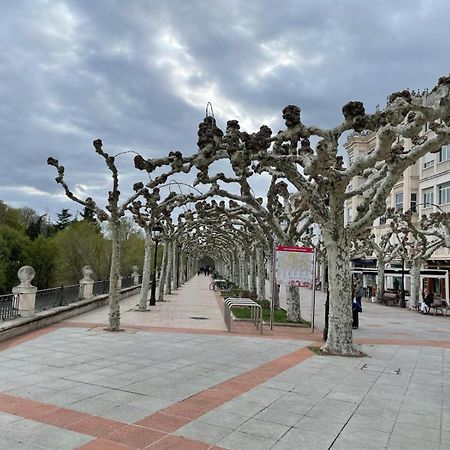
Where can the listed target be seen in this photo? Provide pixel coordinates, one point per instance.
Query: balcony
(443, 166)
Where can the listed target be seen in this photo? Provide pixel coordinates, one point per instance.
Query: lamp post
(156, 232)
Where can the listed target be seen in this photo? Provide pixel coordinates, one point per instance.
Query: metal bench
(255, 311)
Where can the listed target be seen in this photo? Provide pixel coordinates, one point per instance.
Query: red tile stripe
(153, 430)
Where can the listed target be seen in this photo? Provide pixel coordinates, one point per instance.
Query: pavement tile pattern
(181, 386)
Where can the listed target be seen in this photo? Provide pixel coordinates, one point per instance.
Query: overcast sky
(138, 74)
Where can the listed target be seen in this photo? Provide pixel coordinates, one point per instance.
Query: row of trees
(58, 251)
(304, 178)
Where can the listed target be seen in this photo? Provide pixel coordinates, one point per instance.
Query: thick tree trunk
(276, 293)
(415, 283)
(293, 304)
(340, 339)
(236, 270)
(244, 271)
(162, 276)
(380, 283)
(261, 273)
(114, 295)
(146, 270)
(174, 265)
(252, 284)
(169, 267)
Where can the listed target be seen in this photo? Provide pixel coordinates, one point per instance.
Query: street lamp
(156, 232)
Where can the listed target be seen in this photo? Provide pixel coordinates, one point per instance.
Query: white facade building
(424, 188)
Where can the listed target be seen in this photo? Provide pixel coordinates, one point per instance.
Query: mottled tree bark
(174, 265)
(252, 284)
(275, 293)
(169, 267)
(380, 283)
(244, 270)
(261, 273)
(146, 270)
(162, 276)
(415, 283)
(114, 295)
(236, 277)
(339, 339)
(293, 304)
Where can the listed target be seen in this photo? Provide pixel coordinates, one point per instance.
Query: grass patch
(279, 315)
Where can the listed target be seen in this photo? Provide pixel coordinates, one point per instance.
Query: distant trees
(28, 238)
(13, 255)
(64, 219)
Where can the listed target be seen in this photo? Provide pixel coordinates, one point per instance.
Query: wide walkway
(176, 385)
(192, 306)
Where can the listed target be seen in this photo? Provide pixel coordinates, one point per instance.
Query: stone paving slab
(378, 321)
(75, 387)
(194, 299)
(307, 413)
(28, 434)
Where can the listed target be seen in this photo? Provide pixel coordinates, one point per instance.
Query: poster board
(295, 265)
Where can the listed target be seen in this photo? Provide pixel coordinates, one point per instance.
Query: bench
(390, 298)
(439, 304)
(256, 311)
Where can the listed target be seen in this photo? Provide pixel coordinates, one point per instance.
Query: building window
(428, 164)
(428, 198)
(350, 160)
(444, 154)
(399, 202)
(382, 220)
(413, 202)
(444, 193)
(349, 215)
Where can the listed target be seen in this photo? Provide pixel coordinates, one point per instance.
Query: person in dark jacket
(356, 304)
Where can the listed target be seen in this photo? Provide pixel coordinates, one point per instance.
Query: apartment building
(423, 188)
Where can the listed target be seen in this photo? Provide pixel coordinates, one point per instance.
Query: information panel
(295, 265)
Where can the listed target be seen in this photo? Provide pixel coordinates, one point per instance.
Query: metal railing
(9, 306)
(54, 297)
(100, 288)
(60, 296)
(127, 282)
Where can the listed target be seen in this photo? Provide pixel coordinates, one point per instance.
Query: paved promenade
(172, 382)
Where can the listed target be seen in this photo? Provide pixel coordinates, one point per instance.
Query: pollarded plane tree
(279, 207)
(204, 236)
(418, 245)
(437, 224)
(214, 233)
(115, 210)
(385, 250)
(261, 238)
(151, 209)
(321, 179)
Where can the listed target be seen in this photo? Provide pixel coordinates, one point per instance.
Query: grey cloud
(138, 74)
